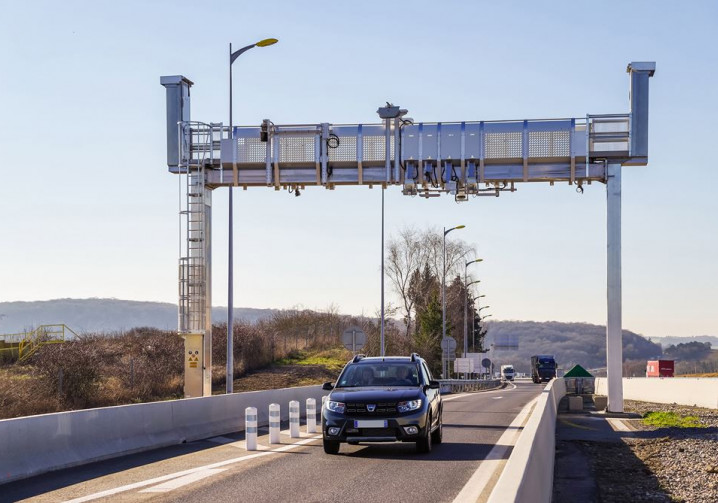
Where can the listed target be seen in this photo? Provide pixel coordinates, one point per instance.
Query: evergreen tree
(427, 340)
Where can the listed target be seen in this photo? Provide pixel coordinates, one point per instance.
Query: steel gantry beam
(463, 159)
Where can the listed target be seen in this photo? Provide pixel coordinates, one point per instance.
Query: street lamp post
(230, 261)
(466, 302)
(443, 293)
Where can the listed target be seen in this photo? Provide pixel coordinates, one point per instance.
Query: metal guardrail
(464, 385)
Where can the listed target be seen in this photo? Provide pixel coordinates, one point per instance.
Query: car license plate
(370, 423)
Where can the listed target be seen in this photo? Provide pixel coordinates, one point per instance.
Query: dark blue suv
(389, 399)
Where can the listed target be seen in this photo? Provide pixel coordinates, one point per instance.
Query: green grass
(332, 358)
(670, 420)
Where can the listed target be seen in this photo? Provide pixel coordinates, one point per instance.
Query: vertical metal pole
(382, 263)
(387, 165)
(230, 261)
(614, 340)
(466, 308)
(229, 133)
(207, 366)
(230, 299)
(443, 303)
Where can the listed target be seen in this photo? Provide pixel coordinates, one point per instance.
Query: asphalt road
(478, 431)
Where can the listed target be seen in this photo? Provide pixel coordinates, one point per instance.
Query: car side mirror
(327, 386)
(434, 385)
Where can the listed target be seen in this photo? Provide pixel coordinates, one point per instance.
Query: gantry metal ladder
(196, 149)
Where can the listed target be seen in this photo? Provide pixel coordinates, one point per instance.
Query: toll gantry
(426, 159)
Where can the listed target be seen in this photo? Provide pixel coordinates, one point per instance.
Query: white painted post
(311, 415)
(614, 326)
(250, 427)
(294, 419)
(274, 423)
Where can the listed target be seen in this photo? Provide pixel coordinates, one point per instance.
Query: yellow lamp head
(266, 42)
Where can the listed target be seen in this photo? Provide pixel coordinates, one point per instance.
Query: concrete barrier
(693, 391)
(528, 474)
(38, 444)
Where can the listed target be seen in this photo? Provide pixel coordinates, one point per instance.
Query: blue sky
(89, 209)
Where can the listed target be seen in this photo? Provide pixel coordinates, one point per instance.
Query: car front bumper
(394, 431)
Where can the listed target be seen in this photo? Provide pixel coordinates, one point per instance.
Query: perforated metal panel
(251, 150)
(502, 145)
(374, 147)
(346, 151)
(296, 149)
(549, 144)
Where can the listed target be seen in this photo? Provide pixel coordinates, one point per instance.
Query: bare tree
(415, 255)
(404, 259)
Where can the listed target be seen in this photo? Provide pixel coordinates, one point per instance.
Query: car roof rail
(357, 358)
(415, 357)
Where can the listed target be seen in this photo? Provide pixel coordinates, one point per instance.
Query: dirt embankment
(285, 376)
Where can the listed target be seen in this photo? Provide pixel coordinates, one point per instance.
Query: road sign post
(353, 339)
(448, 353)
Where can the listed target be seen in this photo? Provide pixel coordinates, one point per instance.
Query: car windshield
(546, 363)
(379, 374)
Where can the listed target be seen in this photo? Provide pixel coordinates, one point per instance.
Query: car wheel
(331, 446)
(436, 436)
(424, 444)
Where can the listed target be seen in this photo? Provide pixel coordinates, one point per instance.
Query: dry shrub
(151, 361)
(21, 394)
(99, 370)
(73, 369)
(147, 364)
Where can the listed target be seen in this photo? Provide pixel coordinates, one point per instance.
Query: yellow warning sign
(193, 359)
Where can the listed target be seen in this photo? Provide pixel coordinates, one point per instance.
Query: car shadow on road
(446, 451)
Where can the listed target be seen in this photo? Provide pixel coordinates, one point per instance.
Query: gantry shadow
(52, 481)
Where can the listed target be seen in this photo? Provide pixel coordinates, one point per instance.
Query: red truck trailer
(659, 368)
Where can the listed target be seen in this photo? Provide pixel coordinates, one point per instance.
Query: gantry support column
(614, 327)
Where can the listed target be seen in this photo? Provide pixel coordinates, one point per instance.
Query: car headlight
(408, 405)
(337, 407)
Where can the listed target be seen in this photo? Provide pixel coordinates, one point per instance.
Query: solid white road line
(183, 481)
(462, 395)
(495, 460)
(157, 480)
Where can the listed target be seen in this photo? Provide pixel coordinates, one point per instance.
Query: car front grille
(377, 432)
(383, 409)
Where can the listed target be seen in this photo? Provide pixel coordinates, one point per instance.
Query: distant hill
(104, 315)
(570, 343)
(667, 341)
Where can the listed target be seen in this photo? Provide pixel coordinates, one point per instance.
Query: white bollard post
(324, 399)
(274, 423)
(311, 415)
(294, 419)
(250, 427)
